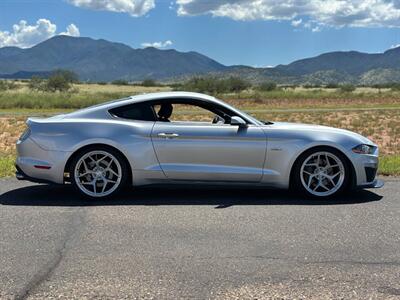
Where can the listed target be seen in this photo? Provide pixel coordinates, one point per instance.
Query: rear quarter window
(138, 111)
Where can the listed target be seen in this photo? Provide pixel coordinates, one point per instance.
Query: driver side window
(183, 112)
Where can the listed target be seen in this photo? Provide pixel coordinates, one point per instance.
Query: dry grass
(304, 103)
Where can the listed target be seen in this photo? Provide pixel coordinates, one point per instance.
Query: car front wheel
(98, 172)
(321, 172)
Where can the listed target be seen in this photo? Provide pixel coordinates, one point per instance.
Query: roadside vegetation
(371, 111)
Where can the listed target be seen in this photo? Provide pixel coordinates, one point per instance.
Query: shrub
(120, 82)
(149, 83)
(267, 86)
(347, 88)
(177, 86)
(37, 84)
(236, 84)
(58, 83)
(8, 85)
(214, 85)
(3, 85)
(395, 87)
(332, 85)
(67, 75)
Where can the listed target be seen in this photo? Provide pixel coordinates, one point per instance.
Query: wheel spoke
(310, 180)
(94, 183)
(105, 181)
(109, 164)
(113, 172)
(336, 174)
(101, 159)
(324, 186)
(328, 164)
(331, 180)
(317, 186)
(92, 159)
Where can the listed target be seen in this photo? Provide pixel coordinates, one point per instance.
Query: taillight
(25, 134)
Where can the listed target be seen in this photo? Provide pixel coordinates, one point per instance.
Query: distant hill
(101, 60)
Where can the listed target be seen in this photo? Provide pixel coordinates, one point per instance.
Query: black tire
(296, 181)
(121, 160)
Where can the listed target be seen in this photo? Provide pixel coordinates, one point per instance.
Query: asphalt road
(198, 244)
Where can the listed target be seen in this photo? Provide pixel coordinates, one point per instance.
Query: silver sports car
(181, 137)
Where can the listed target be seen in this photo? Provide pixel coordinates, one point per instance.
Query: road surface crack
(74, 225)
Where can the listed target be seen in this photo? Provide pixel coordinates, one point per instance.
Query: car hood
(319, 128)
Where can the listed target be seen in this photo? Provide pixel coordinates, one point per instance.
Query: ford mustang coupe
(181, 137)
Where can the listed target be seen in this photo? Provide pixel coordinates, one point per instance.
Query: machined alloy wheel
(322, 173)
(98, 173)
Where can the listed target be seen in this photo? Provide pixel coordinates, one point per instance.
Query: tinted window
(139, 111)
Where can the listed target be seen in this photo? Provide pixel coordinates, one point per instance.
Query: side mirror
(238, 121)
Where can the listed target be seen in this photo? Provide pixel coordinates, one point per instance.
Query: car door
(210, 152)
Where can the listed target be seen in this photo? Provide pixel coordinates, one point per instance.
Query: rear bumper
(20, 175)
(39, 165)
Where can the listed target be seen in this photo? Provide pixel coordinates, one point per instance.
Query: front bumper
(376, 184)
(365, 167)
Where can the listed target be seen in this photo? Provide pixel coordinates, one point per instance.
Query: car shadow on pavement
(56, 195)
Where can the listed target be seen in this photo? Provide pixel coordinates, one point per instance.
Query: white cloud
(135, 8)
(395, 46)
(316, 29)
(159, 45)
(334, 13)
(296, 23)
(72, 30)
(24, 35)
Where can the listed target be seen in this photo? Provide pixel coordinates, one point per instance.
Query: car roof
(142, 98)
(161, 96)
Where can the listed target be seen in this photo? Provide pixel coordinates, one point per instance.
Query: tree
(267, 86)
(58, 83)
(149, 83)
(213, 85)
(347, 88)
(67, 75)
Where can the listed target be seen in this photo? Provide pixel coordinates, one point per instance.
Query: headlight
(25, 134)
(364, 149)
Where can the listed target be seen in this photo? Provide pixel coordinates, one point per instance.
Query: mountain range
(101, 60)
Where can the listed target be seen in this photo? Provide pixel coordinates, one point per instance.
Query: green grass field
(370, 112)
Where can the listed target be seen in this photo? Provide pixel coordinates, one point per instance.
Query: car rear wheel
(98, 172)
(321, 172)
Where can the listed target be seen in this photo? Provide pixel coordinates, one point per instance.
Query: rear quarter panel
(132, 138)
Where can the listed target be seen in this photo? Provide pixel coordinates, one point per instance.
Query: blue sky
(229, 31)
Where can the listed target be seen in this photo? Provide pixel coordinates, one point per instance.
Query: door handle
(168, 135)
